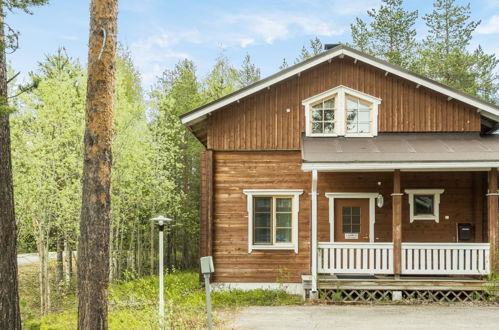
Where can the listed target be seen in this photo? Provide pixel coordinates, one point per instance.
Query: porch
(403, 210)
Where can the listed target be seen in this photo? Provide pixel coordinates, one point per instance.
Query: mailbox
(464, 231)
(207, 265)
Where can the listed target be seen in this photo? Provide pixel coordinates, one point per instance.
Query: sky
(159, 33)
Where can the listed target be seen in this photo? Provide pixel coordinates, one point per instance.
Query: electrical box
(207, 265)
(464, 231)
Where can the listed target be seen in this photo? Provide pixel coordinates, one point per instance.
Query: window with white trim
(273, 219)
(424, 204)
(342, 111)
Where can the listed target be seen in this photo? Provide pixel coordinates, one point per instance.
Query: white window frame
(295, 195)
(340, 113)
(436, 204)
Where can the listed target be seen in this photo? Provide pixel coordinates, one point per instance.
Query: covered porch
(450, 237)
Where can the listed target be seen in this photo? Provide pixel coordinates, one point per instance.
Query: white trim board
(295, 193)
(403, 166)
(486, 109)
(372, 210)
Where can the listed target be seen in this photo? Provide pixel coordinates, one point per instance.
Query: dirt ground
(385, 317)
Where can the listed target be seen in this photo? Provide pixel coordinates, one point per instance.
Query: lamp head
(161, 220)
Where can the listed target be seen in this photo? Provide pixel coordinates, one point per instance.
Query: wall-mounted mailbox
(464, 231)
(207, 265)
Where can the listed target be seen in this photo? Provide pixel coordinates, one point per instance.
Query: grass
(133, 304)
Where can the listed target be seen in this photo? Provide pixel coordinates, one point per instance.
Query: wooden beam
(492, 207)
(397, 223)
(477, 193)
(206, 205)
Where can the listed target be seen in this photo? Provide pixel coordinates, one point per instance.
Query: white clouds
(489, 27)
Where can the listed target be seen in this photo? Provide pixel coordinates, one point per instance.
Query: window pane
(351, 127)
(356, 210)
(283, 204)
(328, 115)
(346, 229)
(364, 106)
(262, 220)
(262, 235)
(283, 220)
(317, 106)
(317, 127)
(356, 219)
(328, 127)
(347, 210)
(317, 115)
(283, 235)
(352, 116)
(364, 115)
(263, 204)
(329, 104)
(352, 104)
(423, 204)
(346, 220)
(355, 229)
(363, 127)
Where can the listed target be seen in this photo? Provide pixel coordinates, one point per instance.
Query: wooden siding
(261, 121)
(459, 202)
(206, 203)
(235, 171)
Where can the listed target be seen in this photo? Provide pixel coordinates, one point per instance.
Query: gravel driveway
(385, 317)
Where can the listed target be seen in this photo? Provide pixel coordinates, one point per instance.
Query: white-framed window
(273, 219)
(424, 204)
(342, 111)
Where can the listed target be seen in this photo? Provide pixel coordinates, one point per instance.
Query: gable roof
(485, 108)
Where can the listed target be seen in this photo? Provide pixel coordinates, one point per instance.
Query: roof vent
(330, 46)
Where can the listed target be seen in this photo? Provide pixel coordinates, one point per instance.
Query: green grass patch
(134, 304)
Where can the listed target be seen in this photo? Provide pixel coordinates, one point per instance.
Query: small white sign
(351, 236)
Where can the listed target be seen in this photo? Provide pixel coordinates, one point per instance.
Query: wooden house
(346, 171)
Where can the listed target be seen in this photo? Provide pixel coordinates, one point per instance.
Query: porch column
(397, 223)
(492, 199)
(313, 240)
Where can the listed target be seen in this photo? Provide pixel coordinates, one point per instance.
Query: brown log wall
(261, 121)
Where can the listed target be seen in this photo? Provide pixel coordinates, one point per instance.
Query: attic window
(342, 111)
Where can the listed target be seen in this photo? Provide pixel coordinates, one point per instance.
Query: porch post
(313, 240)
(492, 199)
(396, 223)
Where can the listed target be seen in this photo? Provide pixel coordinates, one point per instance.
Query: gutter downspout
(313, 243)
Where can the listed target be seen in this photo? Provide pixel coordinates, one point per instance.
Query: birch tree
(93, 247)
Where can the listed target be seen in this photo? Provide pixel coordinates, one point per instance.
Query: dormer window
(342, 111)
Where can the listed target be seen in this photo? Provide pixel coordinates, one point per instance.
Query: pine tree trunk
(151, 248)
(139, 250)
(10, 316)
(68, 270)
(95, 221)
(59, 271)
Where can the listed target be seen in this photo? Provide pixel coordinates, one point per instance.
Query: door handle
(365, 237)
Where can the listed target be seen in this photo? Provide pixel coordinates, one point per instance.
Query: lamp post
(161, 220)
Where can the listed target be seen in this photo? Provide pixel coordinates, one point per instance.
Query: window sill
(424, 218)
(322, 135)
(274, 247)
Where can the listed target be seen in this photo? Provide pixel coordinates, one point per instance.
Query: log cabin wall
(233, 172)
(261, 121)
(461, 201)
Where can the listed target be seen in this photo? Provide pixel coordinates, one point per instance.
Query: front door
(351, 220)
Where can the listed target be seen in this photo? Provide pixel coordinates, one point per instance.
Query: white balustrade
(363, 258)
(445, 258)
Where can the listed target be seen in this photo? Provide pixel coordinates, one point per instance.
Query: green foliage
(390, 35)
(249, 72)
(134, 304)
(221, 80)
(315, 48)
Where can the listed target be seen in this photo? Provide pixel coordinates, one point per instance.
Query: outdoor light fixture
(161, 220)
(380, 201)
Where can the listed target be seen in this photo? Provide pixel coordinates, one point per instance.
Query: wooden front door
(351, 220)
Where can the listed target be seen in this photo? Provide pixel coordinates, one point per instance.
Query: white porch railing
(364, 258)
(445, 258)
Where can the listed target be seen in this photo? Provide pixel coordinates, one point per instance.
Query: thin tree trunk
(69, 264)
(151, 248)
(59, 270)
(10, 316)
(93, 248)
(44, 272)
(139, 251)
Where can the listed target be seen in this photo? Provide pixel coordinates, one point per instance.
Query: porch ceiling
(439, 149)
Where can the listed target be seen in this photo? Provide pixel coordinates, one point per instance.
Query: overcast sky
(161, 32)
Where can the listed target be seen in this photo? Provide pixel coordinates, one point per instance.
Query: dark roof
(402, 147)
